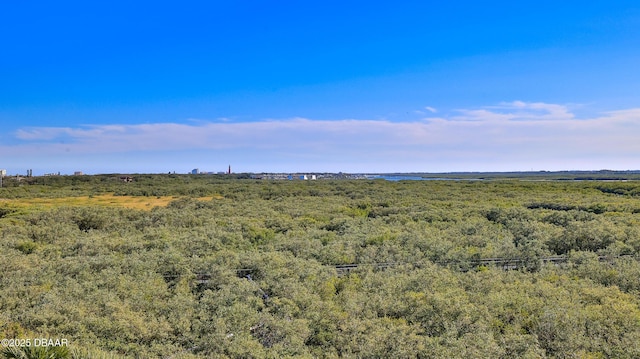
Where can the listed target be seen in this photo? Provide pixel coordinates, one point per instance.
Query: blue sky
(406, 86)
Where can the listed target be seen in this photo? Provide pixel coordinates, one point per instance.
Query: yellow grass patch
(107, 200)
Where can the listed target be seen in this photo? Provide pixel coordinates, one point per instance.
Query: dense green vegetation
(252, 273)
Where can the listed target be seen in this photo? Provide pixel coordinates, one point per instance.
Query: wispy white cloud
(53, 133)
(516, 111)
(428, 109)
(509, 136)
(41, 133)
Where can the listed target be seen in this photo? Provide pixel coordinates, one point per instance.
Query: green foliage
(6, 211)
(252, 272)
(26, 247)
(37, 352)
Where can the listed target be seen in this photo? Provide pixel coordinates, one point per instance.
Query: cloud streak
(508, 136)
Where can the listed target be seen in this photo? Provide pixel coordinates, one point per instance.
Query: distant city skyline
(356, 87)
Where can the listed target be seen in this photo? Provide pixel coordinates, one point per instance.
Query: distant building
(3, 173)
(195, 171)
(78, 173)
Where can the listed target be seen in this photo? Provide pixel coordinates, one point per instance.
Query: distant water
(411, 178)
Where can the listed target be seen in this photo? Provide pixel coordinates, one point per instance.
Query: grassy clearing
(106, 200)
